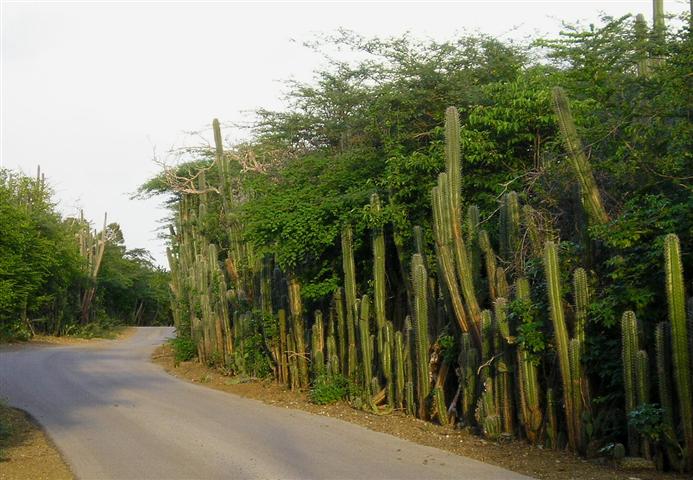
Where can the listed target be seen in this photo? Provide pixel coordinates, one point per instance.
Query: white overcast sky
(89, 89)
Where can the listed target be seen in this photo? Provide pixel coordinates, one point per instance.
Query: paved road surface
(115, 415)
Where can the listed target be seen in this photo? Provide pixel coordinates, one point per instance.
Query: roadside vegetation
(477, 233)
(58, 276)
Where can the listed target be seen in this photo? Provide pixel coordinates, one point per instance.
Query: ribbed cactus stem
(366, 344)
(577, 378)
(676, 300)
(473, 250)
(378, 265)
(501, 313)
(349, 267)
(630, 346)
(283, 346)
(342, 350)
(487, 334)
(420, 284)
(663, 360)
(582, 299)
(509, 225)
(317, 345)
(591, 197)
(441, 410)
(298, 326)
(641, 47)
(530, 223)
(552, 420)
(490, 262)
(553, 283)
(400, 379)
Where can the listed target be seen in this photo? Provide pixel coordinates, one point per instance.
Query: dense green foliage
(377, 126)
(43, 276)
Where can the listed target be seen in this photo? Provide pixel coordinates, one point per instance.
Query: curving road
(115, 415)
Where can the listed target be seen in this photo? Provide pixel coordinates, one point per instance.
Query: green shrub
(328, 389)
(183, 349)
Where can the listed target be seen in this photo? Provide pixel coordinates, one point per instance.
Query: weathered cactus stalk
(298, 327)
(591, 198)
(317, 354)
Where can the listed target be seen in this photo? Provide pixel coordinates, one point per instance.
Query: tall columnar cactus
(487, 413)
(450, 244)
(582, 299)
(490, 262)
(298, 328)
(528, 377)
(342, 350)
(420, 284)
(630, 347)
(642, 378)
(380, 293)
(333, 363)
(399, 373)
(317, 340)
(509, 231)
(663, 360)
(530, 223)
(551, 419)
(473, 249)
(487, 334)
(409, 345)
(576, 375)
(676, 299)
(446, 260)
(366, 345)
(350, 297)
(283, 346)
(440, 409)
(553, 283)
(591, 198)
(641, 47)
(502, 287)
(387, 365)
(469, 364)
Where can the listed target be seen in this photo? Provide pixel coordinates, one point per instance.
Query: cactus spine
(676, 300)
(581, 304)
(591, 198)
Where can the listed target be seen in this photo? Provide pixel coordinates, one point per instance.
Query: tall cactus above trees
(591, 198)
(450, 244)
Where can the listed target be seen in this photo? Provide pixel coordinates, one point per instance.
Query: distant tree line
(58, 276)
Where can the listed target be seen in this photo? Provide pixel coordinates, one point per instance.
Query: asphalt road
(115, 415)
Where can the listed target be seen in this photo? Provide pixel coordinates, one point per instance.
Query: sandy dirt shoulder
(26, 452)
(515, 455)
